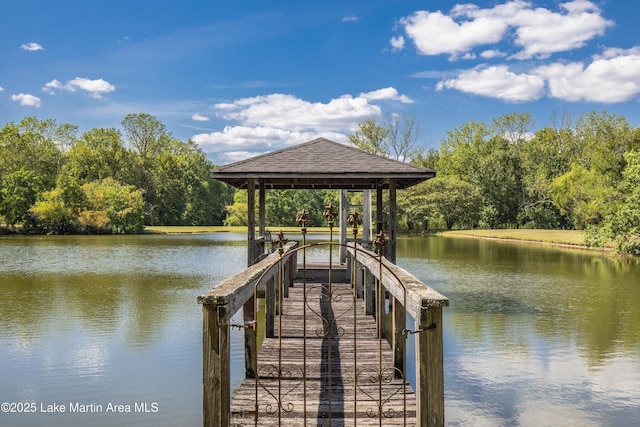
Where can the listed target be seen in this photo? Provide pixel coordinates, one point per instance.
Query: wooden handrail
(234, 291)
(396, 280)
(424, 304)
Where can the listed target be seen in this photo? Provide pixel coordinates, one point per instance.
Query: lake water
(102, 325)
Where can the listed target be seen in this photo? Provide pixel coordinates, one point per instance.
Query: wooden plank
(354, 348)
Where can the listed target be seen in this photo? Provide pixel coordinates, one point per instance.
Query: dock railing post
(399, 340)
(250, 338)
(430, 368)
(270, 308)
(216, 366)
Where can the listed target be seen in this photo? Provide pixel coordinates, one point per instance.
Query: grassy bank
(571, 238)
(555, 237)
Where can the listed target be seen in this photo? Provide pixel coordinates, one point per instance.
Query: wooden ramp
(330, 359)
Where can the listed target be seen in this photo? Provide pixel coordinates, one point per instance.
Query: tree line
(583, 175)
(53, 180)
(504, 174)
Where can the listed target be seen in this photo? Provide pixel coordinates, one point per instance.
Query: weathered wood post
(390, 252)
(429, 367)
(270, 308)
(250, 338)
(252, 252)
(216, 366)
(369, 293)
(381, 314)
(399, 340)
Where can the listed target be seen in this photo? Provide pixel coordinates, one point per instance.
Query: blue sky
(244, 77)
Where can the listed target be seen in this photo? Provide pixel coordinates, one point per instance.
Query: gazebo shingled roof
(322, 164)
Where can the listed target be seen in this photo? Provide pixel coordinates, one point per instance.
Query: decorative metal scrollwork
(271, 376)
(370, 382)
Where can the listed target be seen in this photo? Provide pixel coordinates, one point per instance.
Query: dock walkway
(334, 359)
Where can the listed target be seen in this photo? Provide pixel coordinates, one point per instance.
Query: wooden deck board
(346, 359)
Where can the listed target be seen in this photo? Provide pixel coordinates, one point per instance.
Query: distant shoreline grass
(567, 238)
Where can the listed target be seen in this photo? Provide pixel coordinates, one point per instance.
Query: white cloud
(611, 77)
(32, 47)
(51, 87)
(270, 122)
(397, 43)
(492, 53)
(96, 88)
(539, 32)
(606, 79)
(497, 82)
(1, 88)
(258, 138)
(199, 118)
(436, 33)
(349, 18)
(388, 93)
(236, 156)
(27, 100)
(282, 111)
(614, 52)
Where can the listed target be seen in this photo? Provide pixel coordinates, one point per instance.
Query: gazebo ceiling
(322, 164)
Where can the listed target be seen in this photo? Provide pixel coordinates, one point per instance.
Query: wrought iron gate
(326, 362)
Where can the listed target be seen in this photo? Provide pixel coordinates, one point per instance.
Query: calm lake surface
(534, 336)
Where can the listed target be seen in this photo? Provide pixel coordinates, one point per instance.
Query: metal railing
(372, 278)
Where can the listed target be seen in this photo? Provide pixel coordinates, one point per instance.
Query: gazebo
(289, 378)
(322, 164)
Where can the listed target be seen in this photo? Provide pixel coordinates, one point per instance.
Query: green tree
(31, 145)
(283, 206)
(543, 159)
(237, 212)
(52, 214)
(174, 176)
(147, 135)
(112, 208)
(371, 137)
(402, 139)
(476, 154)
(622, 223)
(606, 138)
(582, 195)
(205, 198)
(18, 193)
(457, 202)
(98, 154)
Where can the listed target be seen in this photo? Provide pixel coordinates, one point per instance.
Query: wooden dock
(330, 361)
(322, 362)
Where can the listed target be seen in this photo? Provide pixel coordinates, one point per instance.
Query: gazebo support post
(251, 222)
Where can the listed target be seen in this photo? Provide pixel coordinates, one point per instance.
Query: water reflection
(534, 336)
(107, 319)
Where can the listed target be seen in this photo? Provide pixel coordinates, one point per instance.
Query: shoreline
(560, 238)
